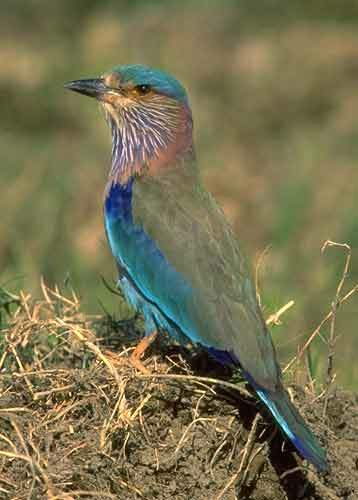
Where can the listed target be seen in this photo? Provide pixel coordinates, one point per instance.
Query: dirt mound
(77, 421)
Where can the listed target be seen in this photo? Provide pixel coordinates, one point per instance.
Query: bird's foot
(138, 352)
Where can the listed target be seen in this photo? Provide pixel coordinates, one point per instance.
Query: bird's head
(148, 112)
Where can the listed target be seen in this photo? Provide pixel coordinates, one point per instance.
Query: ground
(78, 421)
(273, 89)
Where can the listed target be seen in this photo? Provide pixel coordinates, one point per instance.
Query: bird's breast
(118, 201)
(156, 279)
(130, 244)
(118, 219)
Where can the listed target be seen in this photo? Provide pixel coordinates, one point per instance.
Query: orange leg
(140, 350)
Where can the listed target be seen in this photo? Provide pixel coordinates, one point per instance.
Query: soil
(78, 421)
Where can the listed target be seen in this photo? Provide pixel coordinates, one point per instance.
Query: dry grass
(53, 362)
(75, 415)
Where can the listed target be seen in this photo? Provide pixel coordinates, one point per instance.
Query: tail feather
(295, 428)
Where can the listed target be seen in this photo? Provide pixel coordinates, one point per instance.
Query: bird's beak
(93, 87)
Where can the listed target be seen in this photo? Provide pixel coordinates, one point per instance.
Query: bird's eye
(143, 89)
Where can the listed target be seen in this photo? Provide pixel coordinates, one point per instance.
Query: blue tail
(294, 427)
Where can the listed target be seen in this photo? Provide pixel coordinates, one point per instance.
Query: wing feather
(218, 306)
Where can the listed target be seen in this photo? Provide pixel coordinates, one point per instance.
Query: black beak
(93, 87)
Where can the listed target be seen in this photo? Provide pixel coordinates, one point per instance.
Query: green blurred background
(274, 92)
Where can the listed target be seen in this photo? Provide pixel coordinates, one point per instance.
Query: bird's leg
(140, 350)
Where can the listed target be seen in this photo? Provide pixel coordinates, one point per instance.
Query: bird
(179, 262)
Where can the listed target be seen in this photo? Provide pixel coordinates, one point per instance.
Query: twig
(92, 347)
(38, 472)
(70, 495)
(21, 368)
(185, 433)
(3, 358)
(318, 329)
(14, 409)
(275, 318)
(44, 290)
(260, 261)
(217, 451)
(39, 373)
(245, 456)
(335, 303)
(199, 380)
(9, 442)
(64, 388)
(298, 468)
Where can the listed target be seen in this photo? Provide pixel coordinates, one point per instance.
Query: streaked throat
(148, 138)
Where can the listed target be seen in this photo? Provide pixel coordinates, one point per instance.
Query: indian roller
(179, 261)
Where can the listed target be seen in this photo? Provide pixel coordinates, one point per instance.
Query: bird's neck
(139, 149)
